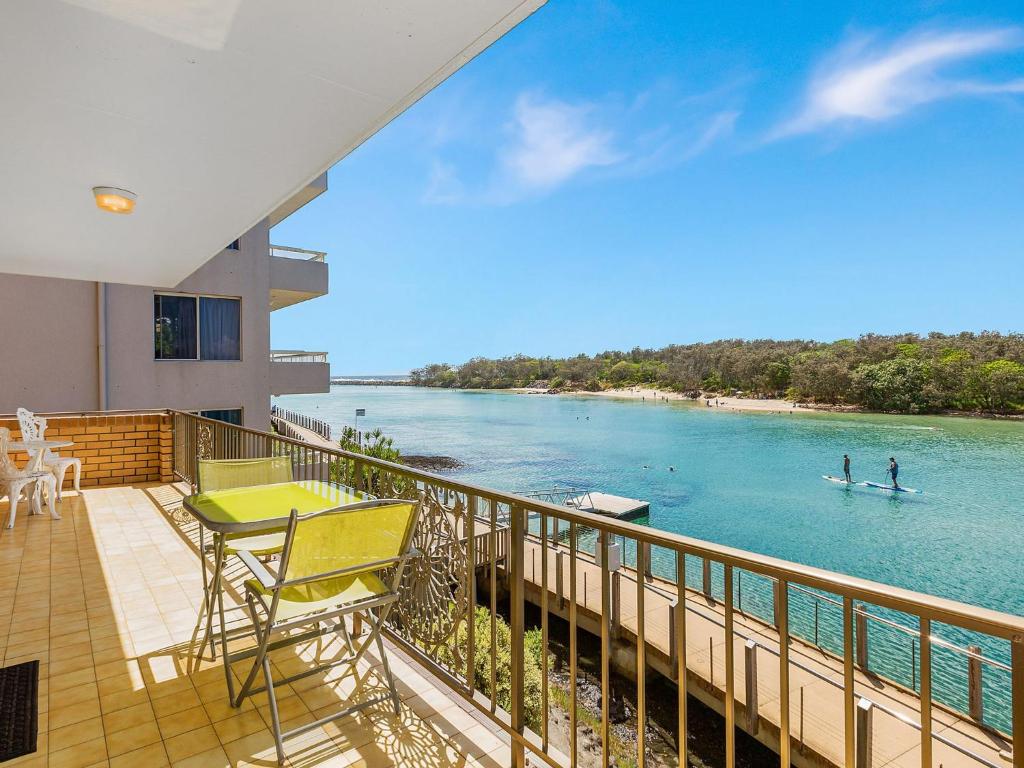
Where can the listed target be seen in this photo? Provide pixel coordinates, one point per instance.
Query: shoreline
(750, 404)
(746, 404)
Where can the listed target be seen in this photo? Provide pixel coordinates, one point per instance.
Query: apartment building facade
(201, 345)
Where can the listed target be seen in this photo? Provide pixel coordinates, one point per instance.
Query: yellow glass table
(257, 509)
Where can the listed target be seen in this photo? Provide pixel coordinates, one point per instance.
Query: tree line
(905, 373)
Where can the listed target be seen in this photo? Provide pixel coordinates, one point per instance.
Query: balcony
(297, 372)
(112, 610)
(296, 275)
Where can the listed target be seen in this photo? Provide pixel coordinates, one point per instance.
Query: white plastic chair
(34, 428)
(17, 481)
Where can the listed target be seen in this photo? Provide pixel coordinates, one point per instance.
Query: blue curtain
(220, 329)
(174, 335)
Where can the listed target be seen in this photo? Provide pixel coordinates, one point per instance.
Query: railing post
(750, 678)
(1017, 698)
(706, 584)
(517, 597)
(864, 733)
(975, 702)
(862, 636)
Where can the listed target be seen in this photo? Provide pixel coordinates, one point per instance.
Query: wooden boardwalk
(816, 677)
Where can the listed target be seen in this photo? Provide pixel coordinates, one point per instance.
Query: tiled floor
(107, 599)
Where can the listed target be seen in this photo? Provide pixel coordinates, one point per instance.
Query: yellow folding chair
(334, 563)
(218, 475)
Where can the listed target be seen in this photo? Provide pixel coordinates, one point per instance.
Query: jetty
(598, 502)
(888, 713)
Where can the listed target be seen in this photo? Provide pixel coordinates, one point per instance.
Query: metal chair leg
(275, 719)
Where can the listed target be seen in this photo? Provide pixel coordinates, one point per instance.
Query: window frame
(241, 414)
(199, 334)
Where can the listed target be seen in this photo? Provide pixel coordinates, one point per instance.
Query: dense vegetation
(907, 373)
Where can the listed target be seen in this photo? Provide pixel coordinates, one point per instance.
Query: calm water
(753, 481)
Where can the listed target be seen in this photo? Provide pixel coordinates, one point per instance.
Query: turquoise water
(753, 481)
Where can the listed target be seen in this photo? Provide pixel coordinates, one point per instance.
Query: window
(196, 328)
(227, 415)
(233, 245)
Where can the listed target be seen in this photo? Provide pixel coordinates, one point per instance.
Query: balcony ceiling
(214, 112)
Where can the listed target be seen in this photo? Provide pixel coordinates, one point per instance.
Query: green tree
(1000, 384)
(893, 385)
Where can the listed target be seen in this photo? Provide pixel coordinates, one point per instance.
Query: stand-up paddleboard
(892, 488)
(840, 480)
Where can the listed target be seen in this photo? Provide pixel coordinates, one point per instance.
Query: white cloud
(444, 185)
(867, 82)
(553, 141)
(720, 126)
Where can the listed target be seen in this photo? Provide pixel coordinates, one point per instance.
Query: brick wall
(115, 449)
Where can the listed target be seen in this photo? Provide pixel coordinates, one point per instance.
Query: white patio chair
(34, 428)
(17, 481)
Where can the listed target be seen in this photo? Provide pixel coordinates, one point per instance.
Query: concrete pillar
(560, 578)
(750, 659)
(864, 733)
(975, 703)
(616, 602)
(861, 621)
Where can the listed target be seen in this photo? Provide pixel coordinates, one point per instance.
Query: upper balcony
(297, 372)
(296, 274)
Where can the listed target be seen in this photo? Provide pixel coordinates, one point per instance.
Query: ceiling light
(114, 200)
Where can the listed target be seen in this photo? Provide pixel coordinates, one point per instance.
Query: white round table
(39, 447)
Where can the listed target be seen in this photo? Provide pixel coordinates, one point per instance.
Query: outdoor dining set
(315, 553)
(45, 470)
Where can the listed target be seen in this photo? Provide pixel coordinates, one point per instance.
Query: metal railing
(318, 426)
(569, 553)
(289, 252)
(296, 356)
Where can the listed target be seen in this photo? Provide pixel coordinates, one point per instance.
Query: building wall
(47, 344)
(136, 380)
(49, 337)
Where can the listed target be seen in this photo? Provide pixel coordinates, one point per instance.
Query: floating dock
(609, 505)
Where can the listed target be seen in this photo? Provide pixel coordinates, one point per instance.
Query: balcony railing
(288, 252)
(297, 356)
(679, 606)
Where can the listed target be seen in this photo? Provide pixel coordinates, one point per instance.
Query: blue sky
(615, 174)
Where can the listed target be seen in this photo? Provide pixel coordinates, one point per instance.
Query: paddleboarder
(894, 470)
(846, 468)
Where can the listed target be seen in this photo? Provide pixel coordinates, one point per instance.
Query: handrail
(290, 252)
(319, 426)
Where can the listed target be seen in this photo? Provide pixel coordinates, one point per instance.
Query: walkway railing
(289, 252)
(318, 426)
(297, 356)
(435, 619)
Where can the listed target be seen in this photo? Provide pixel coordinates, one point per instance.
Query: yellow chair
(220, 474)
(335, 563)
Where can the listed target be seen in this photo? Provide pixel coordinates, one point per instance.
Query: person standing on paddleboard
(846, 468)
(894, 469)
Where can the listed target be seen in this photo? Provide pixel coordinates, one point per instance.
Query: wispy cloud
(553, 141)
(546, 142)
(866, 80)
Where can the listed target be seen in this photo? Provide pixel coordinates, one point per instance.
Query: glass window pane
(174, 327)
(228, 415)
(219, 329)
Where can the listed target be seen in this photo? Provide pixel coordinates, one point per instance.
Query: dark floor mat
(19, 709)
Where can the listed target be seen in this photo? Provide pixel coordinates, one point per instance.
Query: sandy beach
(721, 403)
